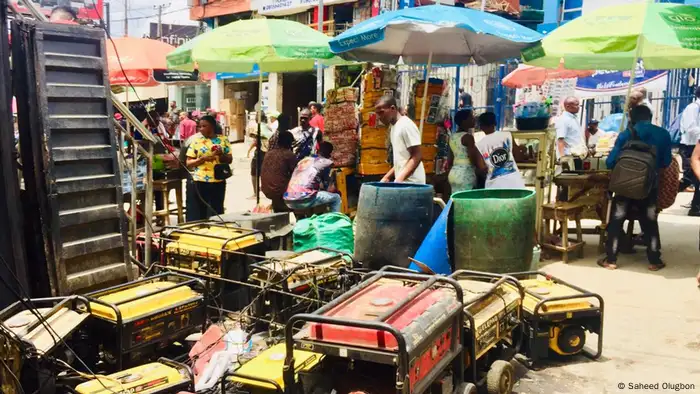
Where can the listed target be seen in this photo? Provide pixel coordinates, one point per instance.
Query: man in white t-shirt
(405, 142)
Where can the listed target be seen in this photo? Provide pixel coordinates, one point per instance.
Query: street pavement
(652, 319)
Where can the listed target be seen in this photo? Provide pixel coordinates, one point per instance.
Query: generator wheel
(466, 388)
(571, 339)
(500, 378)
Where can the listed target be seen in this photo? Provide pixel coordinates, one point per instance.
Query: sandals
(603, 262)
(656, 267)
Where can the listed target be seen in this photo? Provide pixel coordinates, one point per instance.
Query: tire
(500, 378)
(466, 388)
(571, 339)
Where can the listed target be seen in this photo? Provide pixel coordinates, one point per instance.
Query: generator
(136, 319)
(318, 274)
(492, 328)
(392, 333)
(557, 316)
(263, 374)
(214, 250)
(26, 341)
(161, 377)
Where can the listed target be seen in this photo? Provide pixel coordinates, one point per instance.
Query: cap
(593, 121)
(273, 114)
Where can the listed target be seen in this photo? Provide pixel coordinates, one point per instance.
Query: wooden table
(591, 190)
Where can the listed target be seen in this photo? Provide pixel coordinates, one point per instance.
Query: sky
(143, 12)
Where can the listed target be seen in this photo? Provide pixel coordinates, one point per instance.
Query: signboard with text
(288, 7)
(612, 82)
(174, 35)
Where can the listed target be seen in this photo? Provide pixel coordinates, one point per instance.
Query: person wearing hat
(272, 122)
(592, 133)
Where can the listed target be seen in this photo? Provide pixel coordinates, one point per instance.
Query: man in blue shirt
(640, 119)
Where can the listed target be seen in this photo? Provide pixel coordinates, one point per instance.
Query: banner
(174, 35)
(609, 82)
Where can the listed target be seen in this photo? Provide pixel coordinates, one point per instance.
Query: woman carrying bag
(209, 158)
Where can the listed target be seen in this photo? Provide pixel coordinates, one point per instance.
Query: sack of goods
(341, 123)
(340, 117)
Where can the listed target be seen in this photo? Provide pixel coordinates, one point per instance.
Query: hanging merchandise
(341, 125)
(374, 136)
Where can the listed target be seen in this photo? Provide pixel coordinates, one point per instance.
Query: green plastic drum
(493, 229)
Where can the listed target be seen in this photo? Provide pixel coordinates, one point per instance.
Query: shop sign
(166, 76)
(174, 35)
(288, 7)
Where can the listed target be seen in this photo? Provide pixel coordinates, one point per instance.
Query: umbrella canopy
(525, 75)
(453, 35)
(138, 57)
(274, 45)
(663, 35)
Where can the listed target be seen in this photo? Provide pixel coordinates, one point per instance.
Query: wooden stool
(165, 186)
(562, 212)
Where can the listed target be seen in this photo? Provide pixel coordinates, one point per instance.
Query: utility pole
(160, 18)
(108, 18)
(319, 67)
(126, 18)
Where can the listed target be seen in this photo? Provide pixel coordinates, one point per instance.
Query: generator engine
(28, 336)
(136, 319)
(557, 317)
(161, 377)
(316, 274)
(390, 326)
(214, 250)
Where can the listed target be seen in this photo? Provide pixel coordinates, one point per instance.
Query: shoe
(657, 267)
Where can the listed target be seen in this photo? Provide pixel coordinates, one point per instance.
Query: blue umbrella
(434, 34)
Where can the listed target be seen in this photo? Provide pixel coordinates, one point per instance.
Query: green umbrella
(274, 45)
(661, 35)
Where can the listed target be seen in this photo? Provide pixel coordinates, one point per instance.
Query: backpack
(674, 129)
(636, 172)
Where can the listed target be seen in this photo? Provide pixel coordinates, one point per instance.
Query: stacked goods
(341, 125)
(374, 136)
(430, 132)
(234, 110)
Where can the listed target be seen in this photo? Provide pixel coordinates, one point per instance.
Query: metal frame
(119, 324)
(537, 318)
(277, 388)
(402, 356)
(497, 280)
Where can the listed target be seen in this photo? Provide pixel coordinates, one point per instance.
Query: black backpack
(636, 172)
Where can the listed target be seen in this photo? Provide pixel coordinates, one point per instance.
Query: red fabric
(188, 128)
(318, 122)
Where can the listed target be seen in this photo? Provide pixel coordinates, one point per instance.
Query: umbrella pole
(258, 139)
(633, 73)
(425, 90)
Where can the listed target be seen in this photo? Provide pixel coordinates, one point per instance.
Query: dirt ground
(652, 319)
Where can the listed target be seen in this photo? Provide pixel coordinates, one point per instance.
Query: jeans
(621, 206)
(322, 198)
(689, 178)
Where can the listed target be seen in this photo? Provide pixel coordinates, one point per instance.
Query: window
(571, 9)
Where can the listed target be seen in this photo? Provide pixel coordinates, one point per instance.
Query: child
(497, 152)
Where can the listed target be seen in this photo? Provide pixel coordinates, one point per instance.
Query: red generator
(392, 333)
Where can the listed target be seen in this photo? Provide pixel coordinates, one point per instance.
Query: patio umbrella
(135, 59)
(434, 34)
(452, 35)
(662, 35)
(525, 75)
(273, 45)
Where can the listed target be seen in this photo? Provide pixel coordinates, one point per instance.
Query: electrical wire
(172, 152)
(14, 377)
(25, 300)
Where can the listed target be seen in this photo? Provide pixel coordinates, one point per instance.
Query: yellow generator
(263, 374)
(162, 377)
(34, 334)
(214, 250)
(132, 321)
(557, 316)
(492, 329)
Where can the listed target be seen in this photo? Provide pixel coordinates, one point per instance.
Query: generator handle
(340, 252)
(189, 281)
(278, 389)
(180, 367)
(509, 277)
(288, 368)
